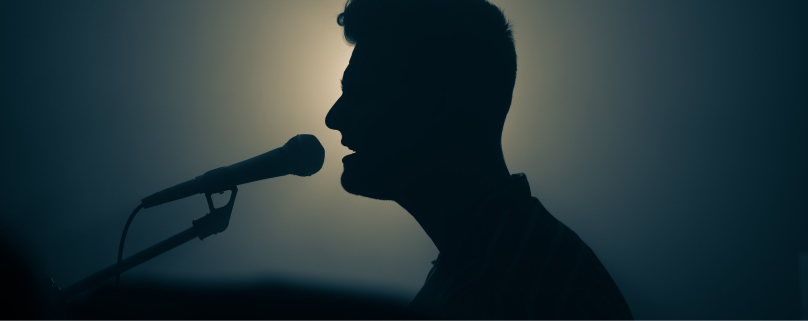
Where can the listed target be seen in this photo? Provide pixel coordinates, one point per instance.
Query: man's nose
(335, 117)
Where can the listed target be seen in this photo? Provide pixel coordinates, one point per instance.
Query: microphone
(302, 155)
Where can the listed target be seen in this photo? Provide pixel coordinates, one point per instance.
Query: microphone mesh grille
(305, 155)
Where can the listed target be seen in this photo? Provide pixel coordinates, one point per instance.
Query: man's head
(428, 80)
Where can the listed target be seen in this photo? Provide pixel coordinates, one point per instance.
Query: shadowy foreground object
(271, 301)
(26, 296)
(20, 299)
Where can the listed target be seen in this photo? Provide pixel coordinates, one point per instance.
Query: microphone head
(304, 154)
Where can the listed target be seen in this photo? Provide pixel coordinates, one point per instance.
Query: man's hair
(465, 45)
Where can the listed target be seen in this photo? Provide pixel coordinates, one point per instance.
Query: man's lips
(349, 159)
(350, 144)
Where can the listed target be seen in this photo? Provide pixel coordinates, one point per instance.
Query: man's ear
(459, 105)
(448, 107)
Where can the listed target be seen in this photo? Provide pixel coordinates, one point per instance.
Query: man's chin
(367, 184)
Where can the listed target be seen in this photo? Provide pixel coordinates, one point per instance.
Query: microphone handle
(213, 181)
(182, 190)
(273, 163)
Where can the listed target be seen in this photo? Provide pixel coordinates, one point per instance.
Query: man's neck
(440, 198)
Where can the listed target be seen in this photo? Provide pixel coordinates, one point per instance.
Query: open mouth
(349, 159)
(349, 146)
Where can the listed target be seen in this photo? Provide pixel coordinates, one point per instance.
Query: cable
(123, 238)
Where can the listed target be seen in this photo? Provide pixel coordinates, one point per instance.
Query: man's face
(383, 115)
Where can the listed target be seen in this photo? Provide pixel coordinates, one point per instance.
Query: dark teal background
(670, 135)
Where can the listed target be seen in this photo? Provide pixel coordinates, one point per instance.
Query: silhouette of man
(425, 96)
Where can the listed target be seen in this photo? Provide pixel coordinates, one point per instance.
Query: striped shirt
(516, 261)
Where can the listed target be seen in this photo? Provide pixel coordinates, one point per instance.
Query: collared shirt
(516, 261)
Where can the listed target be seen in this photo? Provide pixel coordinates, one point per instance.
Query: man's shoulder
(533, 249)
(537, 267)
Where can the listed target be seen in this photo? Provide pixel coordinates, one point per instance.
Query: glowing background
(668, 134)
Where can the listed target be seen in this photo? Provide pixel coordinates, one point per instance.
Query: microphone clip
(218, 219)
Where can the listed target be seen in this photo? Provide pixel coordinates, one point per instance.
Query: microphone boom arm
(212, 223)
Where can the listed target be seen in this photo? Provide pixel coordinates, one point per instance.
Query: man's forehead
(353, 73)
(368, 60)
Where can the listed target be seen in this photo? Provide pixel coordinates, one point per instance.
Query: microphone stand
(212, 223)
